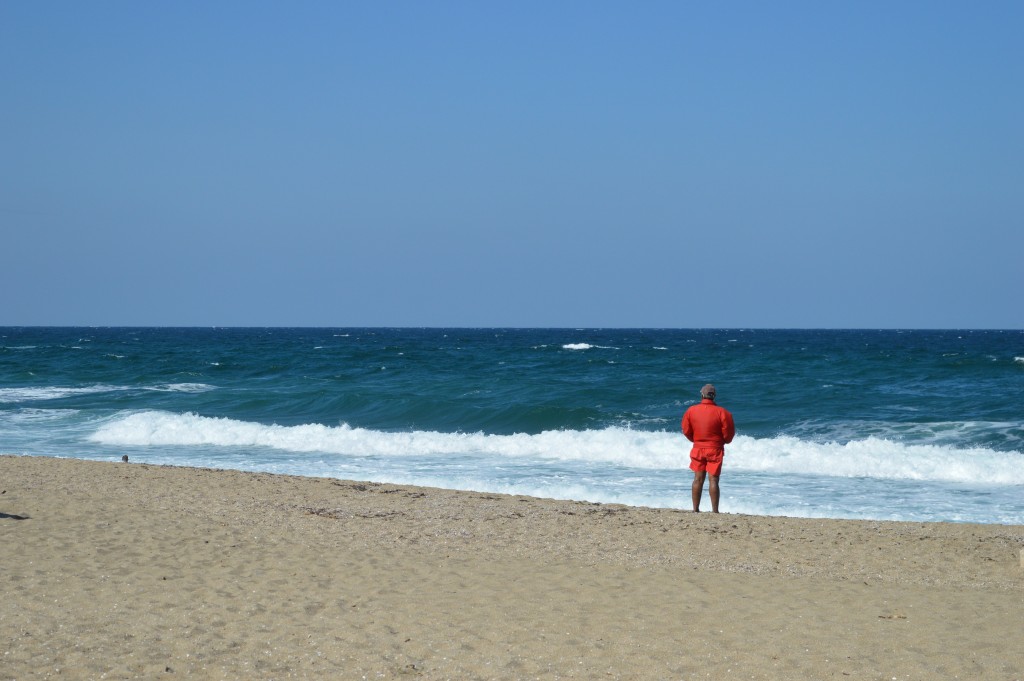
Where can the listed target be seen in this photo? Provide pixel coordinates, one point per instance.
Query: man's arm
(728, 427)
(687, 426)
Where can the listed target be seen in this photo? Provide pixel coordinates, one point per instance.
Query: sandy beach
(132, 571)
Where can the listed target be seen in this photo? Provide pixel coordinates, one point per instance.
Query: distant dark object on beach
(125, 458)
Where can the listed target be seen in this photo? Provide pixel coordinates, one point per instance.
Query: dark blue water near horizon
(858, 417)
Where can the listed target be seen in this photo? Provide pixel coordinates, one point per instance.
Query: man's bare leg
(713, 493)
(698, 489)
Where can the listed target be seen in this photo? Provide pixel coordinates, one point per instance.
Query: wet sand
(132, 571)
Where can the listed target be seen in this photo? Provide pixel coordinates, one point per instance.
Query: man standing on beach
(709, 427)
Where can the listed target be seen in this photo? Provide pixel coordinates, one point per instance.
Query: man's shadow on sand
(11, 516)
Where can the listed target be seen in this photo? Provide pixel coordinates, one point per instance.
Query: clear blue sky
(668, 164)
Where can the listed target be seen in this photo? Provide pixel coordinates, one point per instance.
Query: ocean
(888, 425)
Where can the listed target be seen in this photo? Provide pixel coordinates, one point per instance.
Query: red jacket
(708, 426)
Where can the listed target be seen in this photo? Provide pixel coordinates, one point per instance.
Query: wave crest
(871, 457)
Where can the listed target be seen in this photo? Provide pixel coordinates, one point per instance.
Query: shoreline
(129, 570)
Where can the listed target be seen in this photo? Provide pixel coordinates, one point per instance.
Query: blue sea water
(903, 425)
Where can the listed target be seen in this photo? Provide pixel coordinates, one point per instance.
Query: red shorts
(705, 459)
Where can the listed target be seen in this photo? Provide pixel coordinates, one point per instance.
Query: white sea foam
(878, 458)
(872, 457)
(954, 434)
(42, 393)
(586, 346)
(32, 393)
(1019, 360)
(33, 416)
(182, 388)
